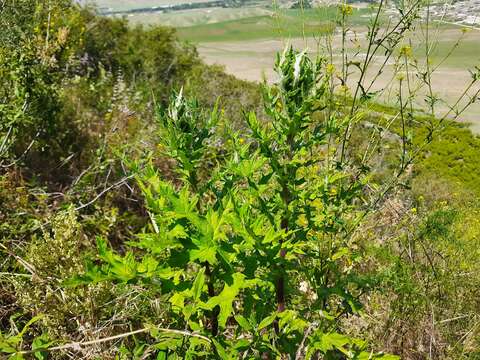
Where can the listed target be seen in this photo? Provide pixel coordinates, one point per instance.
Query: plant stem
(211, 294)
(280, 284)
(193, 180)
(371, 41)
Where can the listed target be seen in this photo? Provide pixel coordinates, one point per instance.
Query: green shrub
(255, 248)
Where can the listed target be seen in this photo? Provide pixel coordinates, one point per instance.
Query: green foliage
(60, 66)
(150, 58)
(452, 157)
(32, 57)
(12, 343)
(73, 97)
(256, 231)
(426, 271)
(41, 293)
(211, 86)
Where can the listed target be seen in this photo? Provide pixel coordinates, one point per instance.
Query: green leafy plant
(12, 343)
(250, 242)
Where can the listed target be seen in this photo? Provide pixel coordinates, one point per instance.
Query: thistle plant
(308, 192)
(252, 257)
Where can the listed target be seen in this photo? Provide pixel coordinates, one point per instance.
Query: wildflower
(330, 69)
(406, 51)
(302, 220)
(347, 10)
(304, 287)
(62, 35)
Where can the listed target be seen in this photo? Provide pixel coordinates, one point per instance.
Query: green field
(189, 18)
(126, 5)
(281, 24)
(247, 47)
(465, 55)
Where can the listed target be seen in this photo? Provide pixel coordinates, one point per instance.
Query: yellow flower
(344, 89)
(318, 204)
(347, 9)
(406, 50)
(330, 69)
(302, 220)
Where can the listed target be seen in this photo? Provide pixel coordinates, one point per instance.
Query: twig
(78, 345)
(30, 268)
(79, 177)
(453, 319)
(117, 184)
(23, 154)
(5, 139)
(301, 348)
(15, 274)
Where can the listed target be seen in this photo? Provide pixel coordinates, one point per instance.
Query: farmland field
(245, 39)
(254, 60)
(246, 23)
(126, 5)
(247, 47)
(280, 24)
(197, 17)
